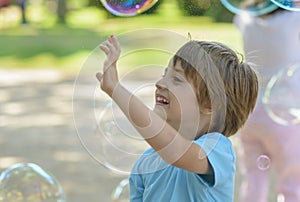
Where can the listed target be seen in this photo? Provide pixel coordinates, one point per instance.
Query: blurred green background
(36, 120)
(60, 34)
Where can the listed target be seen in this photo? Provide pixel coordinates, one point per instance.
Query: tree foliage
(211, 8)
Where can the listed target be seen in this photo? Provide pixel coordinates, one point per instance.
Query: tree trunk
(61, 11)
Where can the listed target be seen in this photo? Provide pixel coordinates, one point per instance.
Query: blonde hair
(222, 82)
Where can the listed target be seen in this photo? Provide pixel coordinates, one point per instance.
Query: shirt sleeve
(220, 154)
(136, 187)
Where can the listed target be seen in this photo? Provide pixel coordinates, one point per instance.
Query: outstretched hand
(109, 78)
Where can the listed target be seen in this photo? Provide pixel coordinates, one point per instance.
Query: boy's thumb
(99, 76)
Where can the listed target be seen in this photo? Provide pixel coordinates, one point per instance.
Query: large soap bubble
(252, 7)
(103, 129)
(292, 5)
(27, 182)
(128, 7)
(282, 96)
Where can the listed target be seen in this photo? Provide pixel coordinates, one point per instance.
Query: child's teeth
(163, 100)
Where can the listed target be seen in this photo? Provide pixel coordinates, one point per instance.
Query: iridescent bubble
(121, 193)
(104, 131)
(282, 96)
(292, 5)
(29, 183)
(128, 7)
(263, 162)
(252, 7)
(118, 143)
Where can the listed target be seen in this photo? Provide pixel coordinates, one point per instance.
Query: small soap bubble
(117, 144)
(128, 7)
(252, 7)
(292, 5)
(121, 193)
(27, 182)
(263, 162)
(282, 95)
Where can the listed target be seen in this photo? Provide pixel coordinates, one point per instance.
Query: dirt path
(36, 125)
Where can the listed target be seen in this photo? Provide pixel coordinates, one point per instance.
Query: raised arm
(163, 138)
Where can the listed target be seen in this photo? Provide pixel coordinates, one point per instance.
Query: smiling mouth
(161, 100)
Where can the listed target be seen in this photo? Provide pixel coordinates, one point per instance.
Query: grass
(42, 44)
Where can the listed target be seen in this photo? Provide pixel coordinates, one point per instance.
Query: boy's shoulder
(212, 139)
(216, 144)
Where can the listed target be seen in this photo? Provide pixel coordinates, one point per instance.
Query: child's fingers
(104, 48)
(99, 76)
(113, 39)
(109, 45)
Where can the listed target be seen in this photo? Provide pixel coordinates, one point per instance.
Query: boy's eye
(177, 78)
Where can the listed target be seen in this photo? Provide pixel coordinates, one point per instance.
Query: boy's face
(176, 101)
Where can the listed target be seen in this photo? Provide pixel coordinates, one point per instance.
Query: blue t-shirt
(152, 179)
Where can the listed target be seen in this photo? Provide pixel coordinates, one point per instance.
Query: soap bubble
(114, 136)
(116, 143)
(292, 5)
(252, 7)
(263, 162)
(121, 193)
(102, 128)
(27, 182)
(282, 96)
(128, 7)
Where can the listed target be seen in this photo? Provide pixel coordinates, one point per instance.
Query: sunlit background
(43, 48)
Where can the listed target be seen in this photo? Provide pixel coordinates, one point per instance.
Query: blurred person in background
(4, 3)
(22, 4)
(271, 42)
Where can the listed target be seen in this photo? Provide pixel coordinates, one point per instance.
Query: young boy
(205, 96)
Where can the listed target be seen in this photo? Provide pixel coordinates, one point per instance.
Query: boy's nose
(160, 84)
